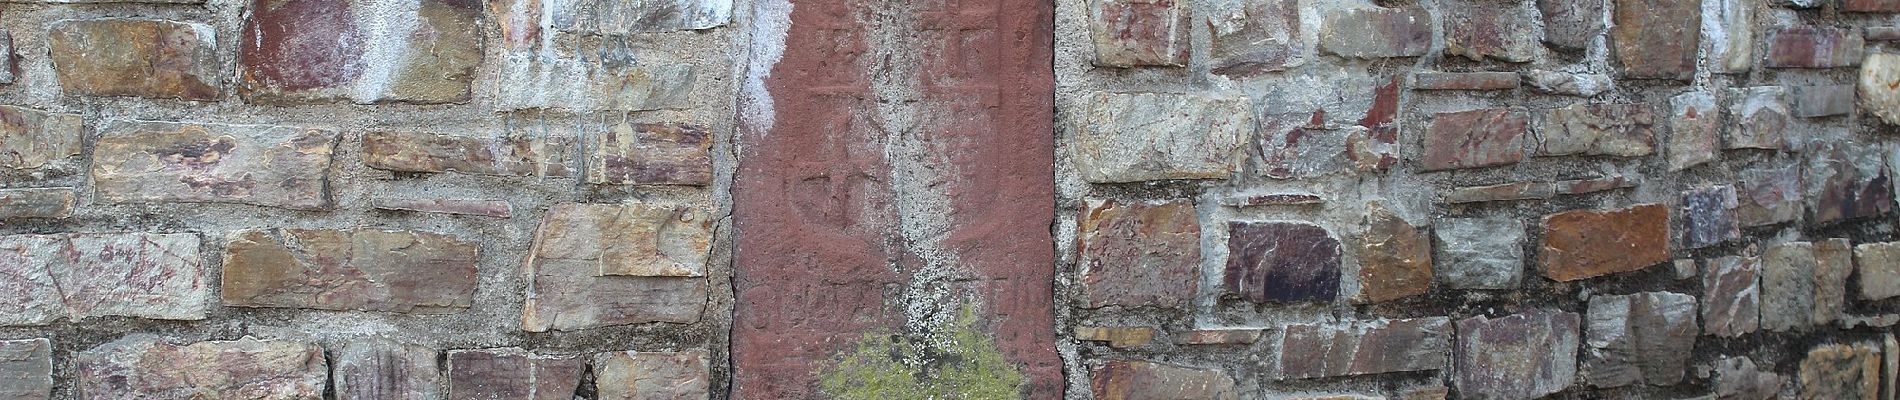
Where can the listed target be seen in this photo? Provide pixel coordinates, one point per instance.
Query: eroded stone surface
(1120, 337)
(1218, 336)
(275, 166)
(1464, 81)
(1133, 379)
(422, 51)
(378, 368)
(136, 57)
(513, 373)
(1282, 262)
(524, 20)
(1821, 101)
(30, 296)
(42, 203)
(1568, 83)
(631, 375)
(1476, 138)
(354, 269)
(1694, 130)
(651, 154)
(1841, 371)
(1788, 286)
(1729, 28)
(1395, 258)
(1479, 30)
(1132, 33)
(1813, 47)
(1480, 253)
(1758, 117)
(1642, 338)
(1625, 130)
(1377, 32)
(1770, 195)
(1847, 181)
(1251, 37)
(1879, 74)
(1589, 243)
(144, 366)
(1834, 261)
(1139, 254)
(604, 264)
(1656, 39)
(26, 369)
(1708, 217)
(1731, 300)
(1878, 267)
(1526, 355)
(145, 275)
(1151, 136)
(1501, 192)
(1871, 6)
(617, 80)
(1737, 378)
(1318, 351)
(1299, 146)
(1572, 24)
(428, 152)
(31, 138)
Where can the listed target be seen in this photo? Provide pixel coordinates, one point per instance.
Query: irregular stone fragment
(1299, 146)
(1694, 130)
(632, 375)
(1134, 33)
(1282, 262)
(651, 154)
(1847, 180)
(485, 208)
(1686, 268)
(1879, 75)
(1878, 266)
(1656, 39)
(1788, 286)
(1377, 32)
(26, 369)
(1480, 253)
(272, 166)
(1731, 299)
(378, 368)
(1151, 136)
(352, 269)
(1572, 24)
(1841, 371)
(1708, 217)
(1376, 149)
(145, 275)
(30, 138)
(1569, 84)
(1834, 261)
(1757, 118)
(1426, 393)
(1252, 37)
(366, 52)
(1501, 192)
(1590, 243)
(1476, 138)
(1821, 101)
(1729, 27)
(526, 20)
(136, 57)
(1642, 338)
(513, 373)
(1770, 195)
(1395, 258)
(30, 297)
(1218, 336)
(144, 366)
(1132, 379)
(1527, 355)
(1139, 254)
(1120, 337)
(1623, 130)
(1737, 378)
(1813, 47)
(1464, 81)
(44, 203)
(1478, 30)
(1871, 6)
(602, 264)
(427, 152)
(1364, 348)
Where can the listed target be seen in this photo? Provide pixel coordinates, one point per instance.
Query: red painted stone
(823, 256)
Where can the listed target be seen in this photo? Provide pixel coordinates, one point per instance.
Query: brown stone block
(1591, 243)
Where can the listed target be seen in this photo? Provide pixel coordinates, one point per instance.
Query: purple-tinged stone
(1282, 262)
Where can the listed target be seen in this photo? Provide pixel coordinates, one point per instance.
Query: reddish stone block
(1320, 351)
(377, 368)
(145, 275)
(421, 51)
(1871, 6)
(1814, 47)
(651, 154)
(1376, 149)
(1476, 138)
(272, 166)
(513, 374)
(1656, 39)
(1847, 181)
(146, 367)
(136, 57)
(1591, 243)
(358, 269)
(1528, 355)
(1298, 146)
(1132, 33)
(1282, 262)
(1139, 254)
(1731, 296)
(1586, 186)
(1130, 379)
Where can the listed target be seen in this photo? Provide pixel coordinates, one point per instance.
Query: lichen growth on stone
(885, 366)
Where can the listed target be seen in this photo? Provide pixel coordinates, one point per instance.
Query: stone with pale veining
(1813, 47)
(526, 20)
(632, 375)
(1879, 75)
(651, 154)
(1139, 254)
(31, 138)
(355, 269)
(1642, 338)
(42, 203)
(1363, 348)
(1568, 83)
(145, 275)
(1770, 195)
(513, 373)
(26, 369)
(1847, 180)
(1136, 33)
(1480, 253)
(1282, 262)
(1590, 243)
(1729, 28)
(146, 367)
(365, 52)
(1133, 379)
(1395, 258)
(274, 166)
(1731, 296)
(1293, 147)
(1151, 136)
(510, 155)
(1656, 39)
(137, 58)
(1527, 355)
(1479, 30)
(377, 368)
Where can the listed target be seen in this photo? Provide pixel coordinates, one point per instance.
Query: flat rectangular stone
(1395, 258)
(1770, 195)
(1708, 217)
(512, 156)
(651, 154)
(526, 19)
(1218, 336)
(1252, 37)
(1474, 139)
(1644, 338)
(1527, 355)
(614, 80)
(1871, 6)
(30, 138)
(1586, 186)
(352, 269)
(1295, 147)
(1877, 266)
(1656, 39)
(1590, 243)
(1695, 127)
(145, 366)
(1841, 371)
(1275, 199)
(136, 57)
(272, 166)
(1139, 254)
(1281, 262)
(1120, 337)
(1133, 33)
(1834, 261)
(1880, 33)
(1152, 136)
(377, 368)
(1788, 286)
(1134, 379)
(1813, 47)
(145, 275)
(1568, 83)
(513, 373)
(648, 273)
(1480, 253)
(1464, 81)
(1364, 348)
(1377, 32)
(631, 375)
(1480, 30)
(42, 203)
(1572, 24)
(1731, 300)
(1821, 101)
(1622, 130)
(364, 52)
(484, 208)
(26, 369)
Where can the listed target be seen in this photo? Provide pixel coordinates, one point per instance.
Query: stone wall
(863, 199)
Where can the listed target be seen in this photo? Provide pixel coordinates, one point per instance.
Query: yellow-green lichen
(893, 367)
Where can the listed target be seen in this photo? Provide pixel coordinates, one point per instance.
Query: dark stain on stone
(1282, 262)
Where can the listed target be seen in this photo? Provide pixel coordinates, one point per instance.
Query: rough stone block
(1590, 243)
(9, 60)
(1834, 261)
(1151, 136)
(1878, 266)
(354, 269)
(1252, 37)
(1770, 195)
(615, 80)
(144, 366)
(1788, 283)
(1133, 379)
(1527, 355)
(1376, 149)
(362, 51)
(1476, 138)
(273, 166)
(1813, 47)
(1731, 299)
(651, 154)
(31, 139)
(1656, 39)
(1758, 117)
(378, 368)
(526, 20)
(1737, 378)
(1464, 81)
(1623, 130)
(1395, 258)
(42, 203)
(427, 152)
(1120, 337)
(1139, 254)
(1729, 28)
(1821, 101)
(1643, 338)
(1841, 371)
(485, 208)
(602, 264)
(1218, 336)
(632, 375)
(145, 275)
(1297, 146)
(1847, 180)
(1377, 32)
(26, 369)
(1879, 75)
(1364, 348)
(1708, 217)
(1567, 83)
(1479, 30)
(1480, 253)
(30, 297)
(1134, 33)
(1694, 130)
(136, 57)
(1282, 262)
(1572, 24)
(1871, 6)
(512, 373)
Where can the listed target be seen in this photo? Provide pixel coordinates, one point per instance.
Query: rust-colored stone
(1395, 258)
(1137, 380)
(1590, 243)
(1139, 254)
(651, 154)
(1814, 47)
(1656, 39)
(147, 367)
(136, 57)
